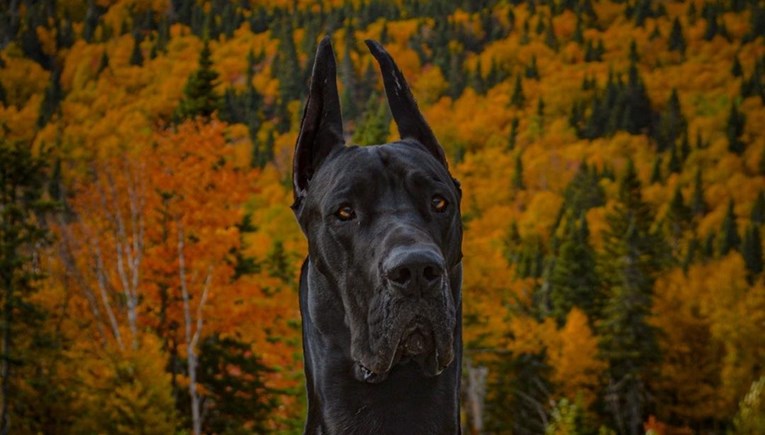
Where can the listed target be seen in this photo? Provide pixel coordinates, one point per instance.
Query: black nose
(414, 272)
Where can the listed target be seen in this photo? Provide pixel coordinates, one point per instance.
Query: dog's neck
(406, 402)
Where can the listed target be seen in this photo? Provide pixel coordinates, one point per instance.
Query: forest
(611, 155)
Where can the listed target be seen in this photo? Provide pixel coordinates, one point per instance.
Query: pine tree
(374, 126)
(518, 173)
(672, 123)
(674, 165)
(584, 191)
(513, 136)
(574, 281)
(751, 250)
(656, 176)
(735, 129)
(51, 100)
(676, 38)
(532, 71)
(22, 178)
(758, 209)
(199, 97)
(729, 238)
(633, 257)
(517, 98)
(136, 56)
(237, 400)
(698, 203)
(737, 70)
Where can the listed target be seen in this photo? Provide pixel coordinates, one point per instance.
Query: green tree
(758, 209)
(676, 38)
(517, 99)
(574, 280)
(136, 56)
(633, 256)
(374, 126)
(729, 237)
(199, 96)
(22, 204)
(237, 400)
(51, 99)
(518, 173)
(735, 129)
(751, 250)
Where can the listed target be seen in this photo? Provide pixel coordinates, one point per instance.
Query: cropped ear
(410, 122)
(321, 130)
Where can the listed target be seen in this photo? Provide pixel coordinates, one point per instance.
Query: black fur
(380, 290)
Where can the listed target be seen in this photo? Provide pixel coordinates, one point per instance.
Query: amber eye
(345, 213)
(439, 203)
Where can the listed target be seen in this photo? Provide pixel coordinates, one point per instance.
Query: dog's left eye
(345, 213)
(438, 203)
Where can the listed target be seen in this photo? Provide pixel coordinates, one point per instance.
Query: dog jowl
(380, 289)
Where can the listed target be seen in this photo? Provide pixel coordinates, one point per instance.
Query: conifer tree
(518, 173)
(698, 203)
(758, 209)
(513, 136)
(751, 250)
(574, 281)
(22, 182)
(199, 96)
(676, 38)
(136, 56)
(373, 128)
(633, 257)
(729, 237)
(735, 129)
(517, 99)
(737, 70)
(656, 171)
(51, 99)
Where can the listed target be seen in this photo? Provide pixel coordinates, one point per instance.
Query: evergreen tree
(674, 165)
(517, 99)
(584, 191)
(374, 126)
(518, 173)
(22, 178)
(237, 399)
(751, 250)
(656, 176)
(532, 71)
(136, 56)
(735, 129)
(574, 281)
(51, 100)
(676, 38)
(737, 70)
(698, 203)
(758, 209)
(199, 97)
(729, 238)
(672, 123)
(513, 136)
(633, 257)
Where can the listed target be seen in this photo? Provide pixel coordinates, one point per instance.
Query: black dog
(380, 290)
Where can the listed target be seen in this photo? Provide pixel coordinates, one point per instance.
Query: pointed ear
(410, 122)
(321, 130)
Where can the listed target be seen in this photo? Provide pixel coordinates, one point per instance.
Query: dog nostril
(400, 275)
(430, 273)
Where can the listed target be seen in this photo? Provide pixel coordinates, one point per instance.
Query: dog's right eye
(345, 213)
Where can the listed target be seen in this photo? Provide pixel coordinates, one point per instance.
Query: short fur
(380, 292)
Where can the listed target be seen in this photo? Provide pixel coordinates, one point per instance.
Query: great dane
(380, 290)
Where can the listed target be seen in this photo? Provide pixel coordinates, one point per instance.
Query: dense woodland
(612, 158)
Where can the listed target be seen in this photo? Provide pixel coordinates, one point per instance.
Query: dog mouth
(418, 344)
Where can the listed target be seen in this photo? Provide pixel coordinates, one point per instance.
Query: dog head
(383, 227)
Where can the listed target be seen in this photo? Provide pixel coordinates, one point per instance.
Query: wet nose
(415, 272)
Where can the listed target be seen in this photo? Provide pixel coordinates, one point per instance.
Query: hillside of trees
(611, 155)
